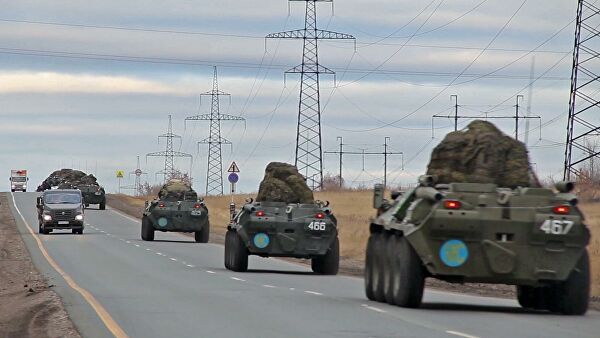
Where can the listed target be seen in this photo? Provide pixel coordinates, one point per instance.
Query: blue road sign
(233, 178)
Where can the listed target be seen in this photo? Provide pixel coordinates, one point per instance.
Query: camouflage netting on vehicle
(67, 179)
(283, 183)
(481, 153)
(177, 190)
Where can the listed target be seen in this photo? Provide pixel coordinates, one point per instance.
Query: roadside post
(120, 175)
(233, 178)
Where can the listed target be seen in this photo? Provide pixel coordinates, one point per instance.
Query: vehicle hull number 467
(556, 227)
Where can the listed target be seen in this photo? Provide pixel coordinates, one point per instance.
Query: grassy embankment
(353, 210)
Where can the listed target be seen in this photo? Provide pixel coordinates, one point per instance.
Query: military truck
(176, 210)
(533, 238)
(279, 229)
(93, 194)
(60, 209)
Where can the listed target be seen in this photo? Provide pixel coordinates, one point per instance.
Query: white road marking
(292, 289)
(137, 245)
(313, 293)
(238, 279)
(128, 242)
(210, 271)
(147, 249)
(189, 265)
(269, 286)
(460, 334)
(373, 308)
(160, 254)
(173, 259)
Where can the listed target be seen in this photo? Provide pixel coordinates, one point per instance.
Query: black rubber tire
(46, 231)
(391, 273)
(102, 206)
(571, 297)
(147, 230)
(12, 190)
(329, 264)
(24, 190)
(77, 231)
(411, 276)
(202, 235)
(227, 260)
(40, 231)
(369, 259)
(526, 295)
(239, 254)
(378, 266)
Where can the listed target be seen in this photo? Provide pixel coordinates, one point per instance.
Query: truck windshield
(19, 179)
(62, 199)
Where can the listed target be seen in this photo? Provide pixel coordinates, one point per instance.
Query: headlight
(47, 218)
(79, 217)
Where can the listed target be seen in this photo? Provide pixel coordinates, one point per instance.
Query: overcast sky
(89, 84)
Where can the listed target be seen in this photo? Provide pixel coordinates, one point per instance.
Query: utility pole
(517, 117)
(309, 150)
(530, 97)
(214, 173)
(385, 154)
(455, 97)
(169, 154)
(341, 159)
(583, 102)
(136, 187)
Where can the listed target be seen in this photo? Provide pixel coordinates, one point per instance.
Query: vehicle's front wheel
(77, 231)
(147, 229)
(102, 206)
(202, 235)
(328, 264)
(410, 275)
(369, 257)
(239, 254)
(228, 247)
(40, 230)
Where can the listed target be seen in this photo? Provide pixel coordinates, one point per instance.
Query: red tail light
(161, 205)
(260, 213)
(197, 206)
(452, 204)
(561, 209)
(320, 215)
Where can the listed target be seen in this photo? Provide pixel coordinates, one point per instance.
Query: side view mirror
(378, 192)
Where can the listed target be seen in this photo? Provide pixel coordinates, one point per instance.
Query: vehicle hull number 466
(556, 227)
(317, 226)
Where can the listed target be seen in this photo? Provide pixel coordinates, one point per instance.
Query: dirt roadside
(351, 267)
(28, 305)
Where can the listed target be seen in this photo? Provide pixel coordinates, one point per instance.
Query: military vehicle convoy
(284, 221)
(93, 194)
(466, 227)
(177, 209)
(60, 209)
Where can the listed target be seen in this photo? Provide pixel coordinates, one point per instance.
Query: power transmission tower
(517, 117)
(385, 154)
(583, 103)
(169, 154)
(214, 174)
(309, 149)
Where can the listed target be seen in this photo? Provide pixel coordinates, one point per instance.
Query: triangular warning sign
(233, 168)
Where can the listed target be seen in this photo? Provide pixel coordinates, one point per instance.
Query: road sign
(138, 172)
(233, 168)
(120, 173)
(233, 178)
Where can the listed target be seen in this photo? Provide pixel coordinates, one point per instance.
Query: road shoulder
(28, 305)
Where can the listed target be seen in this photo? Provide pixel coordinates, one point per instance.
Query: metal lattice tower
(138, 172)
(169, 154)
(308, 139)
(584, 105)
(214, 173)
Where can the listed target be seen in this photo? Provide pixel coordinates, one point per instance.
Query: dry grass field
(353, 210)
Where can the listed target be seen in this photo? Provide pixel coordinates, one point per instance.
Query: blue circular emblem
(454, 253)
(261, 240)
(162, 222)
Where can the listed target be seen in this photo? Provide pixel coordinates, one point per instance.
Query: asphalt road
(173, 287)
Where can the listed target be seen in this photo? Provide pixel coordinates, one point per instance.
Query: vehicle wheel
(391, 272)
(40, 231)
(378, 266)
(411, 279)
(369, 259)
(12, 190)
(571, 297)
(46, 231)
(24, 190)
(228, 235)
(147, 230)
(239, 254)
(526, 295)
(202, 235)
(77, 231)
(87, 205)
(102, 206)
(329, 264)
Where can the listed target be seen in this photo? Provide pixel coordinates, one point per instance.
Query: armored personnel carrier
(178, 209)
(93, 194)
(532, 238)
(278, 229)
(284, 221)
